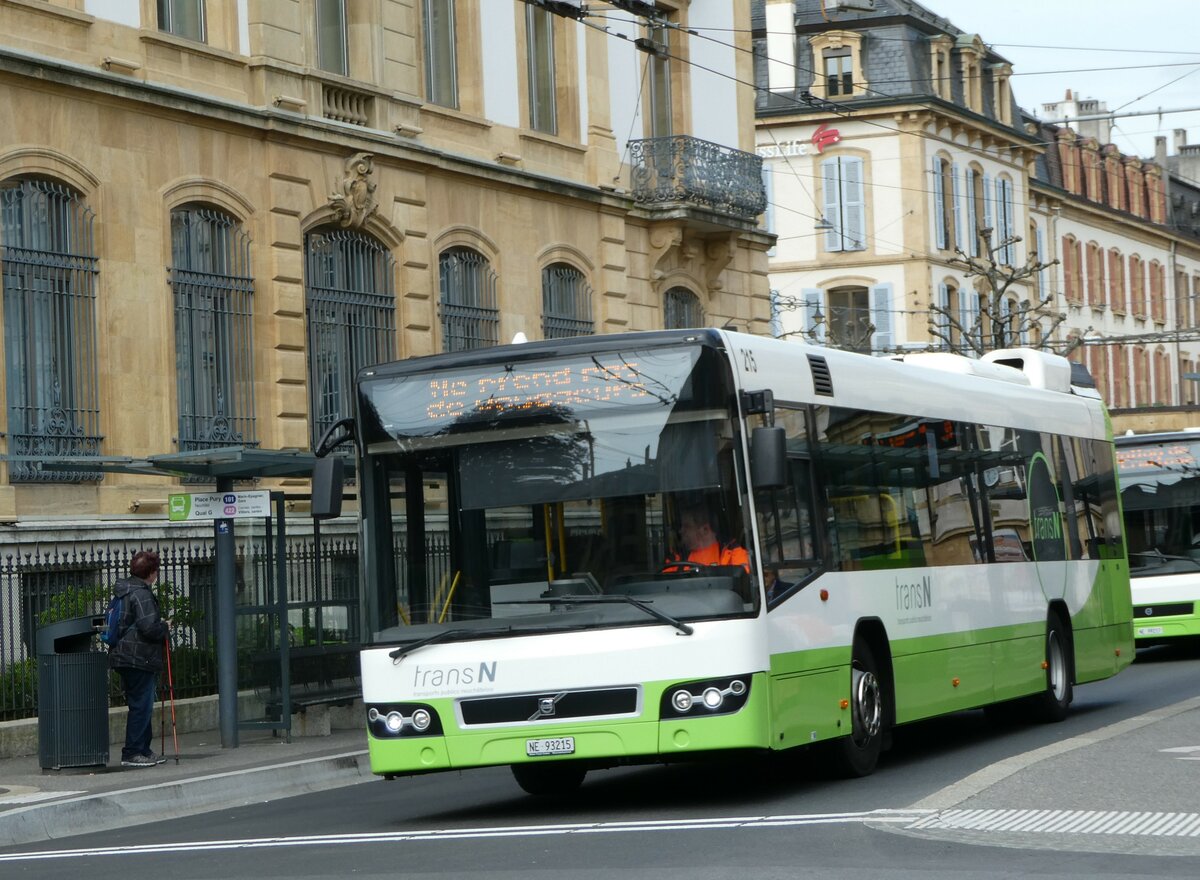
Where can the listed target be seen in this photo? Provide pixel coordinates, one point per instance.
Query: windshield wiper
(446, 634)
(1164, 557)
(608, 600)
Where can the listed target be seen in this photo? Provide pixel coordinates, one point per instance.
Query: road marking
(899, 817)
(1122, 822)
(29, 795)
(954, 794)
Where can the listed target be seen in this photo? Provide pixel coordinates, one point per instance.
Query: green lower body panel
(610, 741)
(1147, 631)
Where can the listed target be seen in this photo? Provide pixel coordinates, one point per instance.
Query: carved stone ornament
(356, 202)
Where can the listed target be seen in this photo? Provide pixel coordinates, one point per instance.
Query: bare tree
(1002, 320)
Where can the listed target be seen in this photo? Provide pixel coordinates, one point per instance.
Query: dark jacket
(142, 628)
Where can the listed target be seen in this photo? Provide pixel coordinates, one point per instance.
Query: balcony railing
(688, 170)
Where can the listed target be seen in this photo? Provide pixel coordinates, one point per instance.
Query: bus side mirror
(328, 479)
(768, 458)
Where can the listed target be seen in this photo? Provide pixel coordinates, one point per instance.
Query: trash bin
(72, 694)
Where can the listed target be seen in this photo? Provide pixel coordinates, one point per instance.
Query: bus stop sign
(219, 505)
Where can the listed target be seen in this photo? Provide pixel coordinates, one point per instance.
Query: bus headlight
(713, 698)
(720, 696)
(681, 700)
(394, 720)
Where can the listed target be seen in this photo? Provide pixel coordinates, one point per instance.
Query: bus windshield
(554, 494)
(1160, 492)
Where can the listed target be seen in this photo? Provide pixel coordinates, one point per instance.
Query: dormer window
(838, 63)
(839, 72)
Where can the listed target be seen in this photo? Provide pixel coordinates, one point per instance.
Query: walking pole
(162, 719)
(171, 687)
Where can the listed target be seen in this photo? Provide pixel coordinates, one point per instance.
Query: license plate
(559, 745)
(1149, 630)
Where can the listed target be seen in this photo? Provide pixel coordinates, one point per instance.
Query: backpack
(113, 615)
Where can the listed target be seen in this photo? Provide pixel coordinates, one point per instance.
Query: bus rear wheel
(549, 780)
(858, 753)
(1051, 705)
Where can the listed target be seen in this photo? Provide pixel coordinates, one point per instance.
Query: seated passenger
(775, 587)
(701, 544)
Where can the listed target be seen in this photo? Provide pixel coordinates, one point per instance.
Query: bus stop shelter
(225, 466)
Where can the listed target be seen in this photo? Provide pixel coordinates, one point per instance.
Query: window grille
(470, 318)
(210, 279)
(49, 282)
(682, 309)
(351, 305)
(566, 302)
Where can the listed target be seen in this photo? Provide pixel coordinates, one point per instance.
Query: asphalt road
(958, 797)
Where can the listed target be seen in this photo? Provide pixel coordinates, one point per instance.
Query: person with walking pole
(137, 656)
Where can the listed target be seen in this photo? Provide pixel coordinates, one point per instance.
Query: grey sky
(1161, 31)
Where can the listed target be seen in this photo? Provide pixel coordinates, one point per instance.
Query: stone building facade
(216, 211)
(891, 140)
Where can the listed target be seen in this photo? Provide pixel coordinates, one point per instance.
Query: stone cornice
(326, 135)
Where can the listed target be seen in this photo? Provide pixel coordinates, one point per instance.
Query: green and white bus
(945, 534)
(1159, 476)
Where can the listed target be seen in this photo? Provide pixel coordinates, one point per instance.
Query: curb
(183, 797)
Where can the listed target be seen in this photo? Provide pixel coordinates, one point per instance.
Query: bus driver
(701, 544)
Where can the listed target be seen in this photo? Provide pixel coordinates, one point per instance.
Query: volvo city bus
(941, 534)
(1159, 475)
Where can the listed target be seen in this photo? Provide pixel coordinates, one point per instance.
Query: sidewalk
(38, 804)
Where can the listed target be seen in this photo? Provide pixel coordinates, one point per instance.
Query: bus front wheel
(858, 753)
(549, 780)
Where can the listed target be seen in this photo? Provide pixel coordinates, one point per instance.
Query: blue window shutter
(854, 208)
(939, 216)
(942, 319)
(768, 176)
(968, 301)
(959, 240)
(881, 316)
(1009, 226)
(1042, 283)
(987, 211)
(831, 187)
(814, 301)
(972, 247)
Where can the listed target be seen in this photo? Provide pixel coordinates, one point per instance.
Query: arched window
(49, 279)
(566, 302)
(214, 350)
(682, 309)
(470, 317)
(350, 307)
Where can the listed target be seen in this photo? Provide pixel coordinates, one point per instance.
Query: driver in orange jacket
(703, 548)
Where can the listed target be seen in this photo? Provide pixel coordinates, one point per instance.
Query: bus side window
(785, 516)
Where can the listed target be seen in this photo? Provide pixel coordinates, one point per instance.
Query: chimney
(1160, 150)
(1180, 139)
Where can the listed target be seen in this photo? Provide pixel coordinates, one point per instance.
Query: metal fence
(39, 587)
